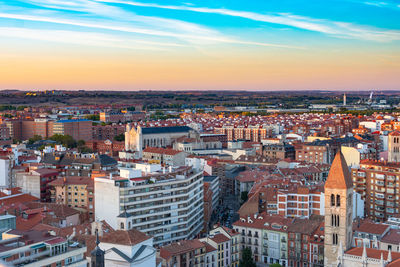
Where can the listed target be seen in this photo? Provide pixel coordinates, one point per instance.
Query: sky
(200, 45)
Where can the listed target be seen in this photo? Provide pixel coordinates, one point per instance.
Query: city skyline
(176, 45)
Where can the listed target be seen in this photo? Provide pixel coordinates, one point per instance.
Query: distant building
(78, 129)
(164, 156)
(140, 138)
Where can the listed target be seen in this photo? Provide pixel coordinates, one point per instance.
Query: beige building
(164, 156)
(394, 147)
(338, 210)
(74, 191)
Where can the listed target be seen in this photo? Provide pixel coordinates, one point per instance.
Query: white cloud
(194, 37)
(337, 29)
(82, 38)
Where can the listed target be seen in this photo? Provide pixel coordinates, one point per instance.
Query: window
(334, 239)
(122, 226)
(332, 200)
(337, 200)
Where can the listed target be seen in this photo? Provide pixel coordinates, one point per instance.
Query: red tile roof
(339, 175)
(373, 253)
(220, 238)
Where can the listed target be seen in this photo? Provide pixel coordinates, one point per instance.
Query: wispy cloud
(202, 36)
(81, 38)
(333, 28)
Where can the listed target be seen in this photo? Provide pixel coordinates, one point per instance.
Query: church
(338, 225)
(136, 139)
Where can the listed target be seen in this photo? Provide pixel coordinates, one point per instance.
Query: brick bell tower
(338, 210)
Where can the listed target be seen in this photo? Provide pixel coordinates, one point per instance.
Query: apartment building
(188, 253)
(300, 233)
(121, 116)
(251, 133)
(167, 205)
(378, 184)
(278, 151)
(267, 237)
(78, 129)
(164, 156)
(74, 191)
(213, 182)
(233, 236)
(37, 248)
(301, 201)
(36, 182)
(323, 151)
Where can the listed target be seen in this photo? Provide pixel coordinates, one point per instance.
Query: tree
(244, 196)
(34, 139)
(120, 137)
(247, 259)
(65, 140)
(93, 117)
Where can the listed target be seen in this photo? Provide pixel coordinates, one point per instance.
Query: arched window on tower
(337, 200)
(332, 221)
(332, 200)
(337, 221)
(122, 226)
(334, 239)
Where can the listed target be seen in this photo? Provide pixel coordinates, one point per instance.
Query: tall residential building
(78, 129)
(378, 184)
(5, 172)
(394, 146)
(267, 237)
(36, 182)
(338, 210)
(74, 191)
(300, 201)
(167, 205)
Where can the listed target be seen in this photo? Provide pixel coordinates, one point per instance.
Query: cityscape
(213, 133)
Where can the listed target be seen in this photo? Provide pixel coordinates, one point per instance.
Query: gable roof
(339, 175)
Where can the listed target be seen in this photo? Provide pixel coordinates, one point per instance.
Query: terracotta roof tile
(339, 175)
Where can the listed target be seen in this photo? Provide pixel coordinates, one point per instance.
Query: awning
(41, 245)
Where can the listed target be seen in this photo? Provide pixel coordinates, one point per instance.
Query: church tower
(338, 210)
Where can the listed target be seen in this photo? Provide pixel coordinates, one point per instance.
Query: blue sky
(203, 30)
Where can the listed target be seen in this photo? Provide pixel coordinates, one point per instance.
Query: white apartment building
(215, 188)
(5, 169)
(165, 204)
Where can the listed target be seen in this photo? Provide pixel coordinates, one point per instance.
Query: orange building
(300, 201)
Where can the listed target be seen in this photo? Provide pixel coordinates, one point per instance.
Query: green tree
(80, 143)
(244, 196)
(65, 140)
(93, 117)
(120, 137)
(247, 259)
(34, 139)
